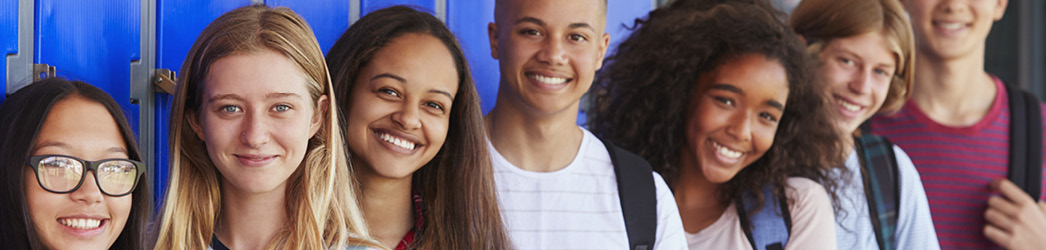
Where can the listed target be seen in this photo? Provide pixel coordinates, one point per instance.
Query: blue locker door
(92, 41)
(8, 38)
(367, 6)
(469, 22)
(328, 18)
(178, 23)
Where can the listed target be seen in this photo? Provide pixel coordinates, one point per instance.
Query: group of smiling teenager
(750, 126)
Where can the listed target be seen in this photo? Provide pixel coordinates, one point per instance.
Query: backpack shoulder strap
(879, 174)
(635, 187)
(770, 227)
(1025, 152)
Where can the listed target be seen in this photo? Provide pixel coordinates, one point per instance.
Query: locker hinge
(42, 71)
(165, 81)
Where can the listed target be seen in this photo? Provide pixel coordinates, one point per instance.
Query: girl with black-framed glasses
(72, 171)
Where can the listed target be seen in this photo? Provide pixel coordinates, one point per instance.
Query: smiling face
(400, 108)
(734, 115)
(548, 51)
(84, 218)
(256, 119)
(953, 28)
(858, 71)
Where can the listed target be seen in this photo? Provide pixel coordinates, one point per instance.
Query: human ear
(492, 34)
(322, 105)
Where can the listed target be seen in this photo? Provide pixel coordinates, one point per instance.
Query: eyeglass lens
(62, 174)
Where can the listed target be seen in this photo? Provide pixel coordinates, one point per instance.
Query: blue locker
(368, 6)
(469, 22)
(328, 18)
(92, 41)
(8, 38)
(178, 23)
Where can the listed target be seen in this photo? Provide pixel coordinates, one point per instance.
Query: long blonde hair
(321, 201)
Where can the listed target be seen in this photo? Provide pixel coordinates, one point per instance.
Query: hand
(1015, 220)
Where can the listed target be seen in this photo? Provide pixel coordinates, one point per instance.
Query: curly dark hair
(641, 96)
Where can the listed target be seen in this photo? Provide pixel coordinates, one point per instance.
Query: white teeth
(81, 223)
(548, 80)
(397, 141)
(726, 151)
(849, 106)
(950, 25)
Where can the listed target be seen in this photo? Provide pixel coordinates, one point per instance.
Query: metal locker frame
(20, 65)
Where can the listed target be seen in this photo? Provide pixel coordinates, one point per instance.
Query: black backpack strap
(880, 176)
(1025, 152)
(635, 186)
(765, 230)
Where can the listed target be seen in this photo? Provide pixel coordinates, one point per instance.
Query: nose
(407, 116)
(88, 192)
(951, 7)
(740, 127)
(255, 132)
(861, 81)
(552, 52)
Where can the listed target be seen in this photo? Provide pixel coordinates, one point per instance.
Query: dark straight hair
(21, 118)
(457, 185)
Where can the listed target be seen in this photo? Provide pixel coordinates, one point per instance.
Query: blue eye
(230, 109)
(281, 108)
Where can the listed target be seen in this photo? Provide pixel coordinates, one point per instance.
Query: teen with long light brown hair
(256, 156)
(414, 126)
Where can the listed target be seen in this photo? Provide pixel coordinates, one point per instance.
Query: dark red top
(419, 220)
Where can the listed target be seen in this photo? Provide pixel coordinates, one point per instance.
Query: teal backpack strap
(881, 186)
(770, 227)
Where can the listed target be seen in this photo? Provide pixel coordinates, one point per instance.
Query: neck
(534, 142)
(696, 196)
(953, 91)
(387, 207)
(251, 220)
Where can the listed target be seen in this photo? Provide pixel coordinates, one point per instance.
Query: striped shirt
(576, 207)
(956, 165)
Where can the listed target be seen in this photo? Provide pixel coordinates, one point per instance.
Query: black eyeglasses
(64, 174)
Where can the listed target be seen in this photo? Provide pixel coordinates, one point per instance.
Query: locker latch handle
(165, 81)
(42, 71)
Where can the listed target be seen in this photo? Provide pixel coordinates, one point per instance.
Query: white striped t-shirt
(576, 207)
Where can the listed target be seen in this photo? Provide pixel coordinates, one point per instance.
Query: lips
(255, 160)
(81, 223)
(397, 142)
(726, 154)
(950, 27)
(83, 226)
(548, 81)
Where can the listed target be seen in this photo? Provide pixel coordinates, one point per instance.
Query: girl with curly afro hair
(721, 98)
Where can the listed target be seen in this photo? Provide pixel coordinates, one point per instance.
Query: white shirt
(914, 225)
(576, 207)
(812, 222)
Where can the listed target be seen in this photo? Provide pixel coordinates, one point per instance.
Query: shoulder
(806, 191)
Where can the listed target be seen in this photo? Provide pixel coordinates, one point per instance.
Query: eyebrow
(63, 145)
(538, 22)
(728, 87)
(240, 98)
(401, 80)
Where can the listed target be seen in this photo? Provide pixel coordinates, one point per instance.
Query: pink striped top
(956, 165)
